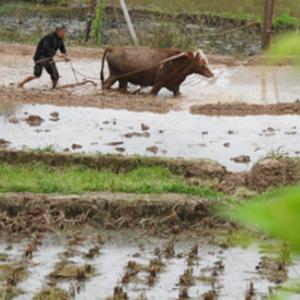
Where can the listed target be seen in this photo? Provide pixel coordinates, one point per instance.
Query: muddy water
(239, 269)
(249, 84)
(176, 134)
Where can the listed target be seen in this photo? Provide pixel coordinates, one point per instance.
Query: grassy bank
(75, 179)
(287, 12)
(237, 8)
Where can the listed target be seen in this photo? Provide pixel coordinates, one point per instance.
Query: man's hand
(65, 57)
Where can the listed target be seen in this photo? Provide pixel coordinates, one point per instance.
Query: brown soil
(145, 103)
(110, 99)
(274, 172)
(242, 159)
(34, 121)
(242, 109)
(29, 213)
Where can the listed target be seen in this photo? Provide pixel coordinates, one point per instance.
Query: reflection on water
(7, 109)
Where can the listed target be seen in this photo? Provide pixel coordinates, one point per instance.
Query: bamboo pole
(267, 23)
(129, 23)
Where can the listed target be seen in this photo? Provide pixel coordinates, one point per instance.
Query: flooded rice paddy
(182, 266)
(175, 134)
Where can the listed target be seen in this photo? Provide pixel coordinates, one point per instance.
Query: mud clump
(34, 120)
(242, 159)
(273, 270)
(273, 172)
(145, 127)
(115, 144)
(13, 120)
(210, 295)
(54, 116)
(69, 270)
(242, 109)
(76, 147)
(152, 149)
(4, 143)
(137, 134)
(12, 273)
(9, 292)
(52, 293)
(120, 149)
(119, 294)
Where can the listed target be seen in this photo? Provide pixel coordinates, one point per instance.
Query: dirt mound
(273, 172)
(264, 175)
(28, 213)
(242, 109)
(34, 120)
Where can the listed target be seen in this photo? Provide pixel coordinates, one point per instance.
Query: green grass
(40, 178)
(242, 9)
(286, 11)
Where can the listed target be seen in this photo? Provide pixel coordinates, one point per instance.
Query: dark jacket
(48, 46)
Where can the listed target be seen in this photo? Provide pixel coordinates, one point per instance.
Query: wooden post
(129, 23)
(267, 23)
(90, 16)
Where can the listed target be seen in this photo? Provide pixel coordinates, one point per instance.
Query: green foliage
(286, 45)
(42, 179)
(277, 213)
(286, 20)
(98, 22)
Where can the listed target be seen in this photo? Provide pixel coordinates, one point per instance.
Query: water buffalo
(146, 66)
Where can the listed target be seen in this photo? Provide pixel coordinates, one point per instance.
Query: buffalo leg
(107, 84)
(155, 90)
(123, 85)
(176, 92)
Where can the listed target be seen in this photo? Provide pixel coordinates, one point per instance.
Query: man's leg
(53, 72)
(26, 80)
(38, 69)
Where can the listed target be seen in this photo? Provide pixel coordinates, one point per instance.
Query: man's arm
(63, 50)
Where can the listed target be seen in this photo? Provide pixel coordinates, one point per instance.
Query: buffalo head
(200, 65)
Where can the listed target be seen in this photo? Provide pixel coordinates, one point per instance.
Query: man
(43, 57)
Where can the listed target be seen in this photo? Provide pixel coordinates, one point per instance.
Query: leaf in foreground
(277, 214)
